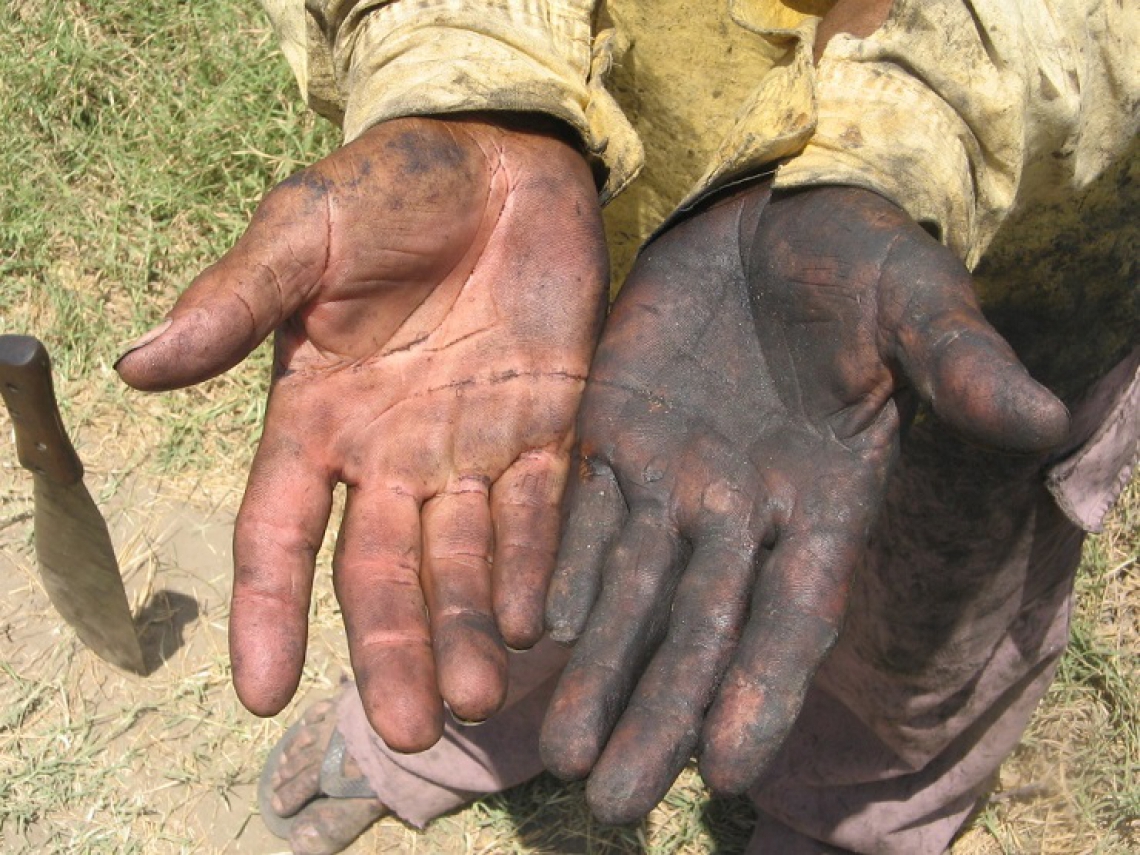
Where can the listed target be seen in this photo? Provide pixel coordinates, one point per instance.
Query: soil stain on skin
(420, 154)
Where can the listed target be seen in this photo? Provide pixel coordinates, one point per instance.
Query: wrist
(532, 124)
(516, 130)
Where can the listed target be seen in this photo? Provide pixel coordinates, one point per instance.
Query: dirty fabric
(469, 761)
(1009, 131)
(957, 620)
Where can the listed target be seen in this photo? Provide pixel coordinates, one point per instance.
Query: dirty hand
(436, 288)
(740, 422)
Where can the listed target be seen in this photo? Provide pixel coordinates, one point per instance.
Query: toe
(292, 794)
(326, 826)
(301, 750)
(297, 779)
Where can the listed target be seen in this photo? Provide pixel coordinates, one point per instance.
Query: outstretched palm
(437, 289)
(738, 429)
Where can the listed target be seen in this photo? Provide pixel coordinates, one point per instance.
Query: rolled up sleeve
(364, 62)
(943, 109)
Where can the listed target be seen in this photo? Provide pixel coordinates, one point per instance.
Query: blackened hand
(740, 422)
(436, 288)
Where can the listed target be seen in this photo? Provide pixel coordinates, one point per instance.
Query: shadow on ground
(161, 626)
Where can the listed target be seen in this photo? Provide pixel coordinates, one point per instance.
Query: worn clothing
(1009, 130)
(469, 761)
(957, 619)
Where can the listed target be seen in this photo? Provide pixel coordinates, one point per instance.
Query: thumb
(232, 306)
(960, 364)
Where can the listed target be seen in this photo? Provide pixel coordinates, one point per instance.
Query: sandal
(342, 805)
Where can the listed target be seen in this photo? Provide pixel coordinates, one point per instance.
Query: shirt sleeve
(946, 109)
(927, 111)
(361, 62)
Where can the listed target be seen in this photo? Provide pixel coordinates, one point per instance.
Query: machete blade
(73, 547)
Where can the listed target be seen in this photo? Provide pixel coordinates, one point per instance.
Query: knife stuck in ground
(73, 547)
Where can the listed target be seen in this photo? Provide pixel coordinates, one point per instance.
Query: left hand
(739, 425)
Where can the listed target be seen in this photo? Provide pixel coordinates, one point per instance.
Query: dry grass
(135, 138)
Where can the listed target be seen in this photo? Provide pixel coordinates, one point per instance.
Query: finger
(794, 619)
(596, 513)
(979, 387)
(626, 625)
(525, 504)
(277, 534)
(377, 581)
(233, 305)
(961, 365)
(658, 732)
(469, 653)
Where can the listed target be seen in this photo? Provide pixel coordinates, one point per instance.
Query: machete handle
(25, 384)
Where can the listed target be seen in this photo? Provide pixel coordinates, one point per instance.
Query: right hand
(436, 288)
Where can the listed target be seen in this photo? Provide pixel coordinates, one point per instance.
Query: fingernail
(563, 634)
(462, 722)
(143, 340)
